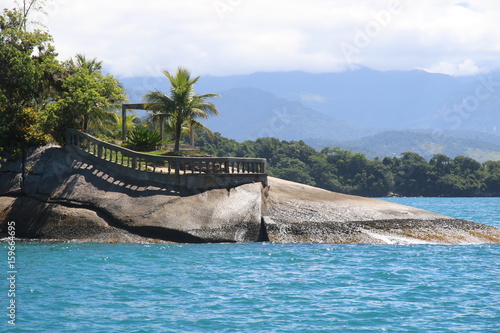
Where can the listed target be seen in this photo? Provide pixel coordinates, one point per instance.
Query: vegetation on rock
(144, 139)
(343, 171)
(183, 106)
(39, 95)
(30, 77)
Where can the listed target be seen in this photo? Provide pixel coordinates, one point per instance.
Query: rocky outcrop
(62, 190)
(301, 213)
(65, 197)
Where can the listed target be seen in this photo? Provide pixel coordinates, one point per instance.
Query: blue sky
(224, 37)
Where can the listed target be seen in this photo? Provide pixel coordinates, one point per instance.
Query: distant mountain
(353, 105)
(384, 100)
(426, 144)
(475, 106)
(250, 113)
(393, 99)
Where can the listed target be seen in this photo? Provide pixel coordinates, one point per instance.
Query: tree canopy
(343, 171)
(40, 96)
(183, 105)
(30, 77)
(86, 97)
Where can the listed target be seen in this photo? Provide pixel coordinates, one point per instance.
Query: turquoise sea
(261, 287)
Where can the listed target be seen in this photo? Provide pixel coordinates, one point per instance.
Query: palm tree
(183, 104)
(117, 127)
(189, 130)
(80, 61)
(163, 120)
(98, 94)
(103, 122)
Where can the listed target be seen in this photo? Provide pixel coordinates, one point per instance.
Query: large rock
(67, 198)
(301, 213)
(39, 220)
(94, 196)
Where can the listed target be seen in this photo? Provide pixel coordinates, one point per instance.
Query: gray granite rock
(56, 178)
(302, 213)
(67, 198)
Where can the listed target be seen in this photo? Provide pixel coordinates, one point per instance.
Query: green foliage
(2, 158)
(491, 174)
(144, 139)
(343, 171)
(218, 145)
(29, 78)
(182, 105)
(41, 97)
(87, 96)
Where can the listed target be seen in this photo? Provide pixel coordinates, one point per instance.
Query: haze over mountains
(377, 113)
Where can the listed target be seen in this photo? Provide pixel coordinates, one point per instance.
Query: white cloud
(467, 67)
(223, 37)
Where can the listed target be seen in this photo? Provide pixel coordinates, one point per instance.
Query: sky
(227, 37)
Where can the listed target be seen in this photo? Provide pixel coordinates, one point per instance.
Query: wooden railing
(146, 164)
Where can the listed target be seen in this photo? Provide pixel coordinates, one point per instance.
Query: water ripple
(259, 287)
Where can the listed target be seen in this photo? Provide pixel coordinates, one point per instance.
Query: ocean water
(260, 287)
(482, 210)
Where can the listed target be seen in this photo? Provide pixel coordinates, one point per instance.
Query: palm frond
(197, 125)
(183, 105)
(81, 61)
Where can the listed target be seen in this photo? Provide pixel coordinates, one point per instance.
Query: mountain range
(374, 112)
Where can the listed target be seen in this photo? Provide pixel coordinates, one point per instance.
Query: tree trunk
(162, 128)
(85, 124)
(191, 133)
(178, 129)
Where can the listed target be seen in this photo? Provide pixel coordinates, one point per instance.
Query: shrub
(144, 139)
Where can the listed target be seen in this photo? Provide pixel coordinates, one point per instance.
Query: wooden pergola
(139, 106)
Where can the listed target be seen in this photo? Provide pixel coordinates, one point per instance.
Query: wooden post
(124, 122)
(139, 106)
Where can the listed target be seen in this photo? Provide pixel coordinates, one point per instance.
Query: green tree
(217, 145)
(29, 79)
(131, 122)
(465, 166)
(323, 173)
(246, 149)
(297, 149)
(466, 171)
(87, 100)
(412, 174)
(192, 127)
(183, 104)
(491, 171)
(267, 147)
(292, 169)
(379, 179)
(440, 165)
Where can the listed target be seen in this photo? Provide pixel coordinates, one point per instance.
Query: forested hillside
(344, 171)
(376, 113)
(479, 146)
